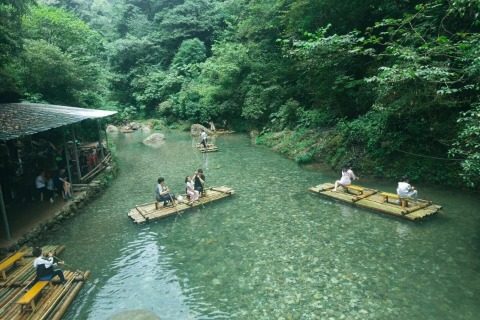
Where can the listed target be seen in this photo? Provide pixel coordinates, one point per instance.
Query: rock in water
(155, 140)
(146, 129)
(135, 315)
(112, 129)
(196, 128)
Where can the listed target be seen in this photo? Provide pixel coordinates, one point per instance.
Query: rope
(429, 157)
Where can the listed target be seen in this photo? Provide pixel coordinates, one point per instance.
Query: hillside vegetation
(392, 86)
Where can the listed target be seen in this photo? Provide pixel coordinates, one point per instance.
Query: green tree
(60, 43)
(11, 13)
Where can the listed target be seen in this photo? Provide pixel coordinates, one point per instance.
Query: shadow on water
(272, 250)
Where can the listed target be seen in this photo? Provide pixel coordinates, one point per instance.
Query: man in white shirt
(203, 137)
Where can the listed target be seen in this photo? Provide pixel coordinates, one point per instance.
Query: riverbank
(325, 148)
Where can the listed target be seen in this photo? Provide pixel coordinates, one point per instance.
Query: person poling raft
(403, 204)
(203, 145)
(46, 267)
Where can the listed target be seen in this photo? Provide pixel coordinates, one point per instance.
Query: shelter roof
(21, 119)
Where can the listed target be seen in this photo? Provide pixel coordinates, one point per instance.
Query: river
(272, 251)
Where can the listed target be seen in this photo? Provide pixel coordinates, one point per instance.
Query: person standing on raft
(346, 179)
(162, 193)
(203, 138)
(199, 181)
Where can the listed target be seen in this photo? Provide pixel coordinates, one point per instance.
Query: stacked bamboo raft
(223, 131)
(379, 201)
(53, 300)
(210, 147)
(146, 212)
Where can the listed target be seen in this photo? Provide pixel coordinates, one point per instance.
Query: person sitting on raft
(162, 193)
(405, 190)
(191, 192)
(199, 181)
(346, 179)
(45, 267)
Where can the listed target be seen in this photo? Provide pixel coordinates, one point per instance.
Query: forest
(391, 86)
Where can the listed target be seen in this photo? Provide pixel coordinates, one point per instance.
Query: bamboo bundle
(146, 212)
(373, 199)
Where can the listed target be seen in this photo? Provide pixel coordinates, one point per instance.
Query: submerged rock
(135, 315)
(155, 140)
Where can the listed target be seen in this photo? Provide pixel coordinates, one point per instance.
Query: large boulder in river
(134, 125)
(196, 128)
(155, 140)
(140, 314)
(112, 129)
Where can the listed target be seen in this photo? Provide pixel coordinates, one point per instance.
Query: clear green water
(273, 251)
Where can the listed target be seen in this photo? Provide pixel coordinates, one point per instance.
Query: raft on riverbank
(50, 303)
(210, 147)
(146, 212)
(379, 201)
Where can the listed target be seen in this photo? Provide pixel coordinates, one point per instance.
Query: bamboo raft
(375, 200)
(210, 147)
(223, 131)
(146, 212)
(53, 300)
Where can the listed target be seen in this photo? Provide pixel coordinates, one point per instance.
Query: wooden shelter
(379, 201)
(22, 120)
(147, 212)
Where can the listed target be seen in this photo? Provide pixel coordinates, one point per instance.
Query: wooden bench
(356, 188)
(387, 195)
(29, 297)
(9, 262)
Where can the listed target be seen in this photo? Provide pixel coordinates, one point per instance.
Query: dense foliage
(391, 85)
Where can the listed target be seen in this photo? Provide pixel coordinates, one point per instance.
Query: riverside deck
(53, 300)
(147, 212)
(377, 201)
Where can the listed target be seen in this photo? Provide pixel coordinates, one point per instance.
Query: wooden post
(67, 157)
(4, 215)
(75, 153)
(102, 154)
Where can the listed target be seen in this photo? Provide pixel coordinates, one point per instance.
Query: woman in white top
(346, 179)
(190, 188)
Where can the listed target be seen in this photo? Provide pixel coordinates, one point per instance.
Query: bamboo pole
(75, 152)
(68, 300)
(59, 295)
(67, 157)
(4, 215)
